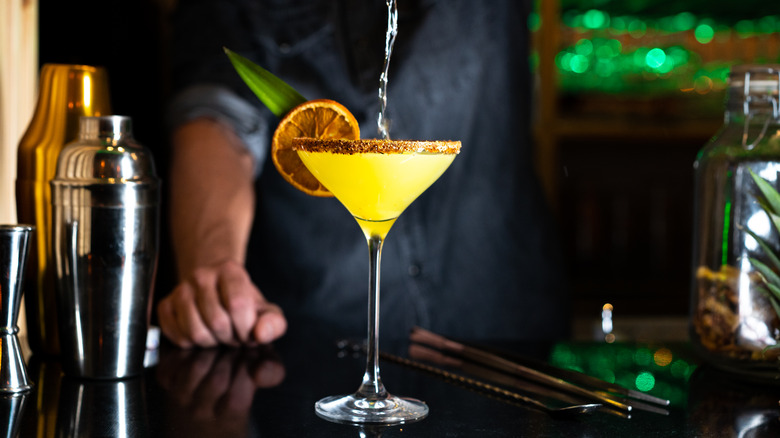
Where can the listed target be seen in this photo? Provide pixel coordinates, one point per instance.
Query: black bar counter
(271, 391)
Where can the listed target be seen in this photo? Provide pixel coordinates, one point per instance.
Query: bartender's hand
(212, 209)
(219, 304)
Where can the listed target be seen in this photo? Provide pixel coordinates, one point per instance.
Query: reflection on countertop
(656, 328)
(270, 391)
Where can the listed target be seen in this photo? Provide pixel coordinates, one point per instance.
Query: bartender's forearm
(212, 195)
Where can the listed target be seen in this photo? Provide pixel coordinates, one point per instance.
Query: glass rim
(16, 227)
(381, 146)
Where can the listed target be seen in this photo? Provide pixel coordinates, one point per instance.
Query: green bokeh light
(533, 60)
(639, 57)
(679, 368)
(667, 66)
(643, 356)
(563, 356)
(704, 33)
(655, 58)
(645, 381)
(604, 68)
(659, 56)
(744, 28)
(721, 74)
(637, 28)
(579, 64)
(534, 21)
(616, 45)
(619, 24)
(679, 55)
(563, 60)
(584, 47)
(601, 362)
(595, 19)
(606, 375)
(605, 51)
(623, 364)
(768, 24)
(684, 21)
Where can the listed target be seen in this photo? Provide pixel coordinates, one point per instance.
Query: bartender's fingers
(180, 319)
(207, 282)
(240, 297)
(271, 323)
(168, 325)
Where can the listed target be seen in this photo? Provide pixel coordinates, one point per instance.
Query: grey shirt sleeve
(220, 103)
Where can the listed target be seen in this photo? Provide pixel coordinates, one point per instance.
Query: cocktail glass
(375, 180)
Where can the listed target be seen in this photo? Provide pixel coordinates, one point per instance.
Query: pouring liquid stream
(392, 31)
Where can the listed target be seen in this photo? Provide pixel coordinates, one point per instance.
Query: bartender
(474, 257)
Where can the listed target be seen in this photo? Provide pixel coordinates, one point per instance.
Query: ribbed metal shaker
(105, 233)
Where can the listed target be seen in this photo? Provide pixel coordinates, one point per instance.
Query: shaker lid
(106, 153)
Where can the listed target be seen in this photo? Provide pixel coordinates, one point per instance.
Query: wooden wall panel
(18, 85)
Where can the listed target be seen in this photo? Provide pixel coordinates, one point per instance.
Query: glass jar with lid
(734, 322)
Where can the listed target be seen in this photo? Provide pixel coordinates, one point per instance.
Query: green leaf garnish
(275, 94)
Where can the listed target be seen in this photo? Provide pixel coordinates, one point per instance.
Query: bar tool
(105, 234)
(12, 407)
(14, 244)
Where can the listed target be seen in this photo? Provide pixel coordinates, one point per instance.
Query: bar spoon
(558, 412)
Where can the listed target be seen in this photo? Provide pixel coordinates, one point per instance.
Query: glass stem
(372, 387)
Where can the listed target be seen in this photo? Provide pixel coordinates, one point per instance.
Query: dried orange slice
(321, 118)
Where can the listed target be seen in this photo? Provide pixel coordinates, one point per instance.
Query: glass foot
(357, 410)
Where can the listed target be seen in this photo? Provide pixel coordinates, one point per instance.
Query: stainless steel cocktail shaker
(105, 222)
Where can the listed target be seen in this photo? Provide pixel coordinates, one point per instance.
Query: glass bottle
(66, 93)
(734, 325)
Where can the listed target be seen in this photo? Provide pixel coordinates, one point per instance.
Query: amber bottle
(66, 93)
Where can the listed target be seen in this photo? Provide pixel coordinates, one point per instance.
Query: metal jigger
(14, 242)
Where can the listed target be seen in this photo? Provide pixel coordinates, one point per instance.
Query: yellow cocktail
(375, 180)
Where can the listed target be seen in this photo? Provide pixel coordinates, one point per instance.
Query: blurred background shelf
(627, 93)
